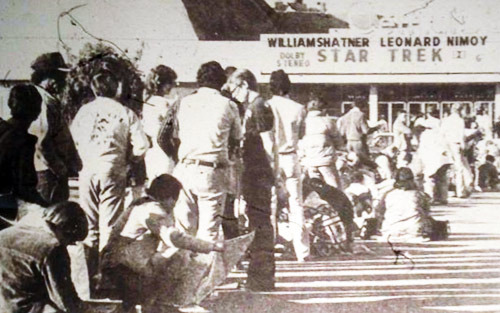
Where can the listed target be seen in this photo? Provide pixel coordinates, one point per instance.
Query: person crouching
(144, 244)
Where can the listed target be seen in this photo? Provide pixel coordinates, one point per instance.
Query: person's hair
(105, 84)
(357, 177)
(158, 78)
(39, 76)
(490, 158)
(164, 187)
(405, 179)
(69, 218)
(435, 113)
(229, 70)
(279, 83)
(317, 102)
(211, 75)
(24, 102)
(247, 76)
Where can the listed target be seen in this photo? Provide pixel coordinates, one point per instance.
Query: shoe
(256, 288)
(308, 258)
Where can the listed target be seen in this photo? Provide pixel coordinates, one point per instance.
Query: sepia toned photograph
(253, 156)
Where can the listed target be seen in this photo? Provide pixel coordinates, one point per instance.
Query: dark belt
(202, 163)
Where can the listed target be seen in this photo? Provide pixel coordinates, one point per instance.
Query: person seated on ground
(404, 210)
(361, 198)
(17, 150)
(144, 246)
(488, 175)
(34, 262)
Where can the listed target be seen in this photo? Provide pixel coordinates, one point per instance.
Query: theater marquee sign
(348, 52)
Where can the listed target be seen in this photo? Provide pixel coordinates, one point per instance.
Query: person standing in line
(257, 178)
(35, 265)
(56, 158)
(17, 149)
(355, 129)
(432, 160)
(208, 125)
(484, 123)
(106, 133)
(289, 128)
(453, 132)
(159, 83)
(402, 133)
(321, 139)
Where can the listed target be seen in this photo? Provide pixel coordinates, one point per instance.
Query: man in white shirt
(289, 128)
(484, 124)
(208, 125)
(108, 137)
(453, 132)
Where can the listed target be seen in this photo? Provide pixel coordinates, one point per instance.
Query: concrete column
(373, 104)
(497, 101)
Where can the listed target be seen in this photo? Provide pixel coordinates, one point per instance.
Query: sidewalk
(461, 274)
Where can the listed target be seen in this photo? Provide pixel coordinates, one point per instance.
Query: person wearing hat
(404, 210)
(34, 262)
(56, 158)
(17, 148)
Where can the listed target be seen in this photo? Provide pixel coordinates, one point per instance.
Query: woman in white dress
(159, 83)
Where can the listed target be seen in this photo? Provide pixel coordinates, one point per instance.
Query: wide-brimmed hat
(50, 62)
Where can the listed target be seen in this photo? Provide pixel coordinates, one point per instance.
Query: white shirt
(453, 129)
(206, 122)
(40, 128)
(320, 138)
(104, 130)
(288, 121)
(154, 111)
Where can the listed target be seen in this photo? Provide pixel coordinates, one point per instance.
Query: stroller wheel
(324, 248)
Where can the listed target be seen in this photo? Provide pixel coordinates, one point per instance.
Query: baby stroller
(327, 232)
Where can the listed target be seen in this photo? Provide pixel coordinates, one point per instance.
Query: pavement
(460, 274)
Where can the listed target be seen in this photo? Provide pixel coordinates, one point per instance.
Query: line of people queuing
(224, 142)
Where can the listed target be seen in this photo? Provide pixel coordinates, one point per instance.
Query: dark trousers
(261, 268)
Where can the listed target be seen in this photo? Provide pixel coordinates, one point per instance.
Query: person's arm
(56, 274)
(235, 133)
(172, 236)
(334, 135)
(138, 139)
(262, 115)
(301, 123)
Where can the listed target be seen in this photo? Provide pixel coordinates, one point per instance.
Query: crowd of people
(206, 155)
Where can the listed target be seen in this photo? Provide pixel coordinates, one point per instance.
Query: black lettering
(350, 56)
(406, 55)
(271, 42)
(321, 55)
(393, 54)
(363, 55)
(421, 54)
(310, 42)
(483, 39)
(436, 54)
(366, 42)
